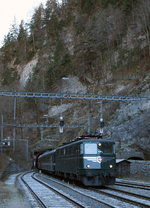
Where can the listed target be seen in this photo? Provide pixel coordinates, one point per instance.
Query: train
(88, 159)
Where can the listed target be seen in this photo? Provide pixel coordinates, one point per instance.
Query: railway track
(132, 192)
(92, 194)
(46, 196)
(36, 197)
(130, 197)
(86, 199)
(134, 185)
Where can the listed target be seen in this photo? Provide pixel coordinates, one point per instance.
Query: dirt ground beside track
(4, 162)
(11, 197)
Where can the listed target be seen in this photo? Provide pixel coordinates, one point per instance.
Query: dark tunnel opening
(135, 158)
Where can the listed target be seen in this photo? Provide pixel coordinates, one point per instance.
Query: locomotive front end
(99, 164)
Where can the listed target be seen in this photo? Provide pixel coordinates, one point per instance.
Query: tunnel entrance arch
(135, 158)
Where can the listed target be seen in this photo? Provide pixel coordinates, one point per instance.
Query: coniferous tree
(51, 19)
(37, 28)
(10, 43)
(22, 42)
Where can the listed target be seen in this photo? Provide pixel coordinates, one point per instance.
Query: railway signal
(101, 121)
(61, 124)
(101, 126)
(5, 142)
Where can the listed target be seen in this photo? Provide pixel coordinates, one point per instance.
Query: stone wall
(140, 168)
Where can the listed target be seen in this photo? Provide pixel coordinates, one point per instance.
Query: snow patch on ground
(11, 180)
(73, 85)
(119, 88)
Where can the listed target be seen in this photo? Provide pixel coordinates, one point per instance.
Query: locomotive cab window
(106, 148)
(90, 148)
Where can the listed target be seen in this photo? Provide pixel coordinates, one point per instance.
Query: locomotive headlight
(88, 166)
(111, 166)
(99, 144)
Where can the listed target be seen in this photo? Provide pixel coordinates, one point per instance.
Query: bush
(30, 55)
(87, 5)
(66, 59)
(50, 75)
(9, 75)
(126, 4)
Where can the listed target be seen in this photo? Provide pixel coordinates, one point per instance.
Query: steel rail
(133, 185)
(59, 193)
(104, 203)
(123, 198)
(38, 200)
(129, 193)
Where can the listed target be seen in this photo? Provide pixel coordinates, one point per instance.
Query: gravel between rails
(134, 191)
(69, 189)
(49, 198)
(85, 200)
(127, 197)
(139, 185)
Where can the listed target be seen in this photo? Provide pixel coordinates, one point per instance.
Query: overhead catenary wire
(74, 96)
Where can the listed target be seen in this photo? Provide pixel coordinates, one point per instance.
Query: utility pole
(89, 125)
(14, 130)
(61, 117)
(42, 134)
(2, 126)
(2, 135)
(27, 150)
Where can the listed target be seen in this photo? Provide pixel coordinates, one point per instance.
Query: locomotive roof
(47, 152)
(85, 139)
(79, 140)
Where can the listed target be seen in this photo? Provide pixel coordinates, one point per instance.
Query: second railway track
(92, 198)
(132, 198)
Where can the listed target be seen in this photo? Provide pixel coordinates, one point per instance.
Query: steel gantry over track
(18, 125)
(72, 96)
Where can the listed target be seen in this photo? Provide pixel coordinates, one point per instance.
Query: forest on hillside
(78, 37)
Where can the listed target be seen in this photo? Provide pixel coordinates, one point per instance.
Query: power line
(19, 125)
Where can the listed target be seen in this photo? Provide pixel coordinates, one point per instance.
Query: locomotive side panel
(46, 161)
(67, 162)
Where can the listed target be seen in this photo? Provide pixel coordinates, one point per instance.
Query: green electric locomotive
(90, 160)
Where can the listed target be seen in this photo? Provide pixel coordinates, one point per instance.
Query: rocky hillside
(103, 47)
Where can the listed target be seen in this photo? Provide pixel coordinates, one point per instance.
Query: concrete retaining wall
(140, 167)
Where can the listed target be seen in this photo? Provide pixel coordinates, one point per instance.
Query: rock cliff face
(126, 122)
(26, 72)
(129, 128)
